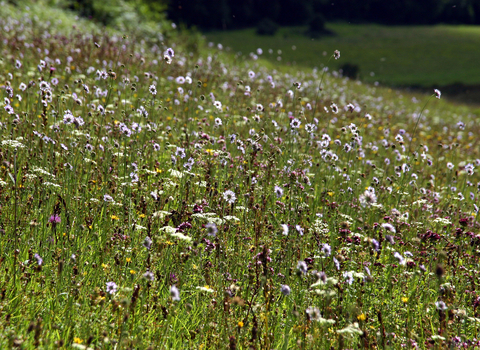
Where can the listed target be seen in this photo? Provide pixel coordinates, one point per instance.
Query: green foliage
(266, 27)
(398, 56)
(167, 195)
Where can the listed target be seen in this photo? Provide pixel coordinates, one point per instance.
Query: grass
(397, 55)
(210, 203)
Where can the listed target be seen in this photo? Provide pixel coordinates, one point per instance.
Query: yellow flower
(405, 299)
(77, 340)
(240, 324)
(362, 317)
(133, 272)
(128, 260)
(142, 215)
(114, 217)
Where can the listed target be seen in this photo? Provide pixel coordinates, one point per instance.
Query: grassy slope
(64, 301)
(421, 55)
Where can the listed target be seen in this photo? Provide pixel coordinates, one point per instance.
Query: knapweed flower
(285, 290)
(437, 93)
(54, 219)
(111, 288)
(211, 229)
(174, 293)
(229, 196)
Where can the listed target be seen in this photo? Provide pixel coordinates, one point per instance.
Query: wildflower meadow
(158, 193)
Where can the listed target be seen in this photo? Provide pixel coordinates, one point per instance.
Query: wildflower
(218, 122)
(180, 80)
(348, 277)
(68, 118)
(107, 198)
(285, 290)
(376, 245)
(218, 105)
(336, 54)
(211, 229)
(180, 152)
(284, 229)
(326, 250)
(469, 169)
(441, 306)
(310, 128)
(54, 219)
(295, 123)
(299, 229)
(302, 267)
(229, 196)
(278, 191)
(389, 227)
(153, 90)
(334, 108)
(437, 93)
(174, 293)
(149, 276)
(313, 313)
(147, 242)
(336, 263)
(39, 259)
(399, 257)
(111, 288)
(390, 239)
(367, 198)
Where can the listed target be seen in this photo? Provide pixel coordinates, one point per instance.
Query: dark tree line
(232, 14)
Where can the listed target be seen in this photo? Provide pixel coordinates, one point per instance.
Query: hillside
(159, 193)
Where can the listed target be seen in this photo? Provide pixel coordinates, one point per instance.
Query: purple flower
(211, 229)
(111, 288)
(285, 289)
(54, 219)
(39, 259)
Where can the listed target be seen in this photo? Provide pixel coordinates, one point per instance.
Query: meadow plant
(156, 197)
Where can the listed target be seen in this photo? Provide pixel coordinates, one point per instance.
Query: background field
(401, 56)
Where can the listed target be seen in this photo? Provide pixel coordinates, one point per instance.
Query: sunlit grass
(156, 196)
(397, 55)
